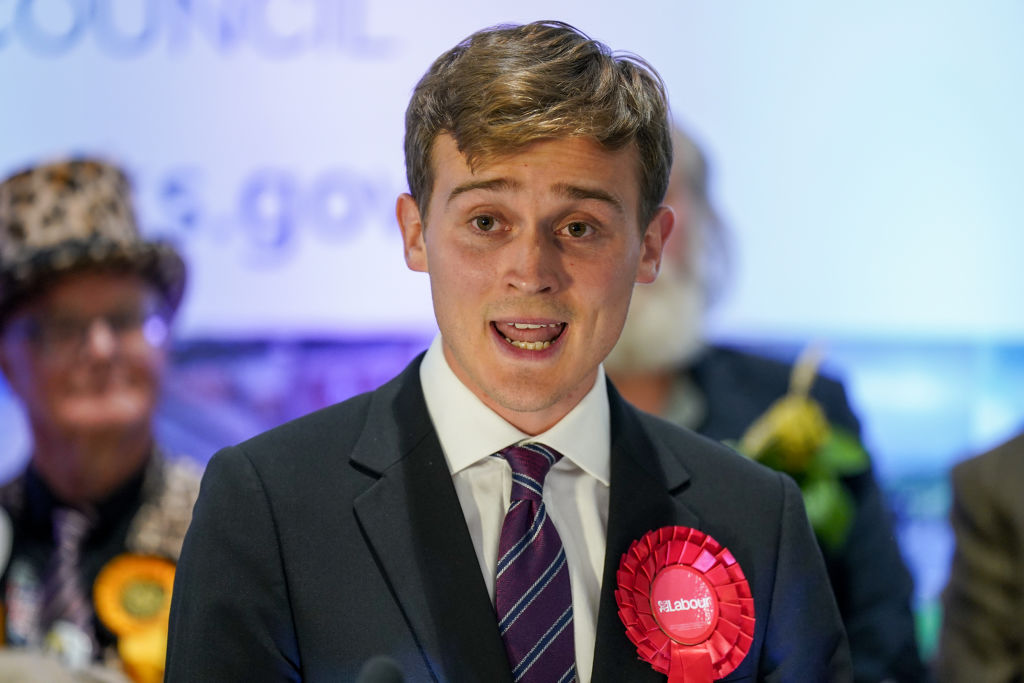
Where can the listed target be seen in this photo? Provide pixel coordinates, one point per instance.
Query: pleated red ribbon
(686, 604)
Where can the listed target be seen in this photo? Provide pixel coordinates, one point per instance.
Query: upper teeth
(529, 326)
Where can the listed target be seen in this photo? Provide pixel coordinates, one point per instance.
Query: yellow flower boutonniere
(132, 595)
(795, 437)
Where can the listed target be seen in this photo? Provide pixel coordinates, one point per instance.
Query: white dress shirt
(575, 490)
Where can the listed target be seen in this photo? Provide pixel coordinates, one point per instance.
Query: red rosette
(686, 604)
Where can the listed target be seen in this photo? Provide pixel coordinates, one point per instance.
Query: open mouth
(530, 336)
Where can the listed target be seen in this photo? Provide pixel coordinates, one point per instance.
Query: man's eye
(125, 321)
(60, 330)
(484, 223)
(577, 229)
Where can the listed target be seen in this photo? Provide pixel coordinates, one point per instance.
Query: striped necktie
(532, 593)
(64, 598)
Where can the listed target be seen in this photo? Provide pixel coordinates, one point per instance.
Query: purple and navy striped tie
(532, 593)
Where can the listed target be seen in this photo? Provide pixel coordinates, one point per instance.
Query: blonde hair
(505, 87)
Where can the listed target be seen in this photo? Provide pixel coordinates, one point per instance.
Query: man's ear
(657, 233)
(411, 224)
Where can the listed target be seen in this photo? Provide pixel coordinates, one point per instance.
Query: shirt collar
(469, 430)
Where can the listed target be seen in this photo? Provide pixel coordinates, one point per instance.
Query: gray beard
(663, 329)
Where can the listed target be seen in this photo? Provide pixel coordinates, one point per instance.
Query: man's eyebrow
(494, 184)
(577, 192)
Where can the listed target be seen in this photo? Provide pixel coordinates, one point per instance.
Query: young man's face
(532, 260)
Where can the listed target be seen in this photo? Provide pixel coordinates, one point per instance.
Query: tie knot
(530, 464)
(70, 526)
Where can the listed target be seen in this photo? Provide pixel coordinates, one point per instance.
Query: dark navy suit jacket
(339, 537)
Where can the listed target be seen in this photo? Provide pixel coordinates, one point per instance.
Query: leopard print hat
(73, 214)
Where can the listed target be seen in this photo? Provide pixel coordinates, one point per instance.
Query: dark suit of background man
(537, 162)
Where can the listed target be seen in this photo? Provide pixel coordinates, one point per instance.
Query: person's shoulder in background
(981, 638)
(1002, 466)
(738, 386)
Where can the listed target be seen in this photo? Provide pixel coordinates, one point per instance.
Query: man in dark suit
(537, 161)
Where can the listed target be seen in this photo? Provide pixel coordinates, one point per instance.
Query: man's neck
(83, 469)
(532, 417)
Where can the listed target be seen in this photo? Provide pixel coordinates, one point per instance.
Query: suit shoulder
(301, 463)
(701, 455)
(1004, 462)
(757, 369)
(340, 426)
(335, 426)
(766, 375)
(724, 370)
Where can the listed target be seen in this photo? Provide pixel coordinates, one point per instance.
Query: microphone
(6, 539)
(381, 669)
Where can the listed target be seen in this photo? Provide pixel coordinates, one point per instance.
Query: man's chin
(101, 418)
(522, 394)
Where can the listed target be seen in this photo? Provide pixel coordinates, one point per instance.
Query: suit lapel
(415, 527)
(644, 477)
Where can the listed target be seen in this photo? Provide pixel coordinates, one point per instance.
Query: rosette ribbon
(132, 596)
(686, 604)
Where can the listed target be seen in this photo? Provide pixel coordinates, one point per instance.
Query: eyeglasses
(62, 336)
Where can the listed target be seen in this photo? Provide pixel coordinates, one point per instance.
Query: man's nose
(534, 262)
(100, 338)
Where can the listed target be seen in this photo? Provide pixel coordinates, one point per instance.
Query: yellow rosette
(132, 596)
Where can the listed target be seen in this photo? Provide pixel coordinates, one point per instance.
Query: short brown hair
(505, 87)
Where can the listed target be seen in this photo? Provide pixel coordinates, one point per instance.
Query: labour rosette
(686, 604)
